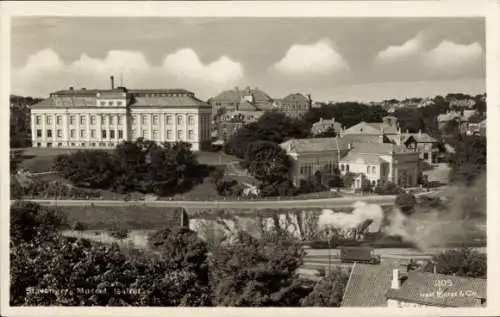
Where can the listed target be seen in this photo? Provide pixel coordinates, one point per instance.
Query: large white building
(103, 118)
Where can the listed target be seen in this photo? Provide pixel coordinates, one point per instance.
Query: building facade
(294, 105)
(104, 118)
(376, 162)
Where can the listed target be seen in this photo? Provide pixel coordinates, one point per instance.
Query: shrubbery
(329, 291)
(56, 189)
(142, 166)
(387, 188)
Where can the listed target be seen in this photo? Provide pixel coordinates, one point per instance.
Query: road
(342, 202)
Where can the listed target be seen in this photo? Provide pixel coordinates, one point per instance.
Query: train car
(358, 255)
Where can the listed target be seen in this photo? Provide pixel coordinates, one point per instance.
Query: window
(82, 120)
(342, 168)
(92, 120)
(426, 156)
(169, 119)
(103, 119)
(120, 134)
(190, 134)
(191, 120)
(83, 144)
(72, 120)
(83, 134)
(373, 170)
(169, 134)
(103, 103)
(144, 119)
(144, 133)
(179, 120)
(103, 134)
(155, 120)
(72, 133)
(110, 103)
(49, 120)
(111, 120)
(302, 170)
(368, 170)
(120, 120)
(39, 144)
(156, 135)
(92, 133)
(73, 144)
(134, 134)
(179, 134)
(347, 168)
(92, 144)
(38, 133)
(49, 133)
(134, 120)
(59, 144)
(119, 103)
(112, 134)
(58, 119)
(59, 133)
(38, 120)
(49, 144)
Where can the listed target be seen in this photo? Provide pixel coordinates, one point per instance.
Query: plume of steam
(347, 221)
(462, 220)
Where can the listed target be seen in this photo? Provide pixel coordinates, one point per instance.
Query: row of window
(155, 135)
(83, 144)
(111, 119)
(113, 134)
(83, 118)
(83, 134)
(111, 103)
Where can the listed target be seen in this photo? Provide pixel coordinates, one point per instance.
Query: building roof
(323, 125)
(444, 117)
(296, 97)
(379, 148)
(468, 114)
(236, 94)
(88, 98)
(314, 145)
(365, 158)
(459, 291)
(371, 128)
(367, 286)
(420, 137)
(362, 138)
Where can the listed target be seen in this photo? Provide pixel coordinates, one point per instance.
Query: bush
(406, 203)
(387, 188)
(118, 232)
(78, 226)
(329, 291)
(461, 262)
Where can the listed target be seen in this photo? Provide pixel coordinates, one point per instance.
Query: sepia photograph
(247, 161)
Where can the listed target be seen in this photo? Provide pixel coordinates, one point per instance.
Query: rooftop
(315, 145)
(365, 158)
(458, 291)
(236, 94)
(367, 286)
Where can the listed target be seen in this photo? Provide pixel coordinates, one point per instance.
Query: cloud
(179, 69)
(185, 63)
(418, 57)
(317, 59)
(396, 52)
(452, 57)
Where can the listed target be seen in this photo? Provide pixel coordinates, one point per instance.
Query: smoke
(347, 221)
(462, 219)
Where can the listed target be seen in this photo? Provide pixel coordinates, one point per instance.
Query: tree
(347, 113)
(406, 202)
(274, 127)
(32, 223)
(461, 262)
(366, 186)
(387, 188)
(329, 291)
(267, 161)
(16, 158)
(256, 272)
(88, 168)
(20, 131)
(469, 160)
(328, 133)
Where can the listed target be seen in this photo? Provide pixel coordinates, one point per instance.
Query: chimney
(395, 279)
(349, 146)
(419, 132)
(71, 88)
(112, 82)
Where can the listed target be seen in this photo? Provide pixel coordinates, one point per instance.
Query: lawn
(132, 217)
(40, 159)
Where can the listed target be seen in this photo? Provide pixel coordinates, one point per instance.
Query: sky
(338, 59)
